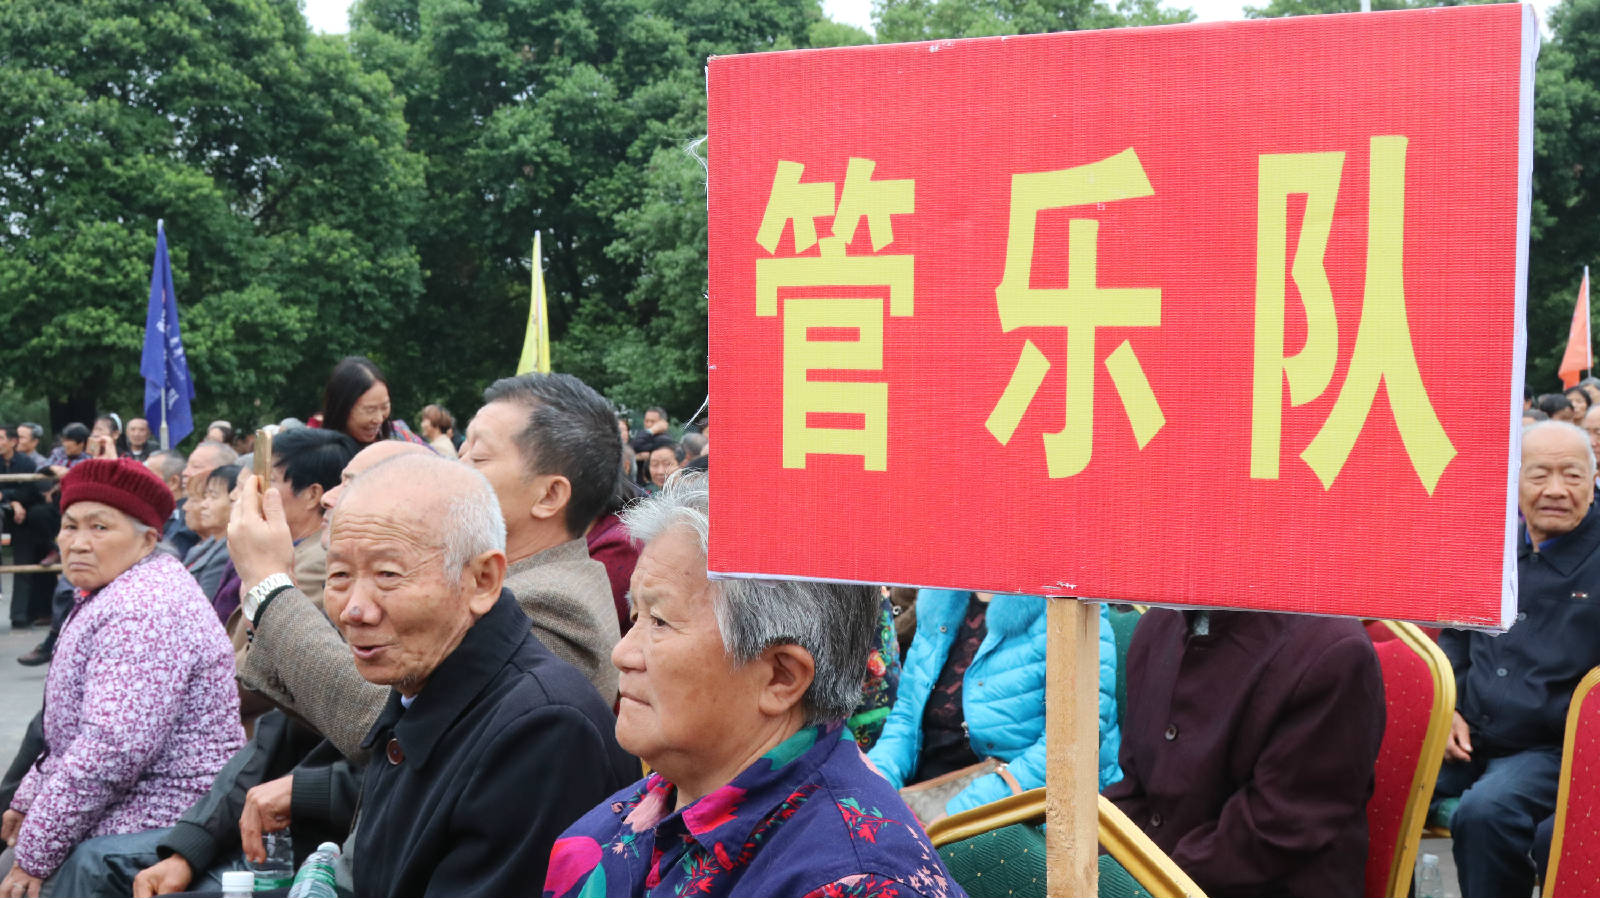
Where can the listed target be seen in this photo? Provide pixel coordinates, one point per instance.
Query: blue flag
(167, 385)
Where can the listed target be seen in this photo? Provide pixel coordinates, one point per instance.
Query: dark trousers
(31, 541)
(1503, 801)
(1542, 838)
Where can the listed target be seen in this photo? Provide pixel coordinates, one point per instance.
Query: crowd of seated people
(452, 662)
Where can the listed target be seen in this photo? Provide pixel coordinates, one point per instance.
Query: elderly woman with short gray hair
(735, 692)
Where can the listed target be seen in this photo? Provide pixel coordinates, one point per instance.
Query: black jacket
(1514, 688)
(26, 493)
(503, 749)
(321, 805)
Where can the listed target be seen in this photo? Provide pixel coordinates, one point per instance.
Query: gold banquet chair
(998, 850)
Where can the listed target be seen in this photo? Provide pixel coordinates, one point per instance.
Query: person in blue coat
(972, 687)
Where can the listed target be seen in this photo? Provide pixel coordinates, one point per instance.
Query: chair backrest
(1575, 846)
(1149, 865)
(1419, 691)
(997, 849)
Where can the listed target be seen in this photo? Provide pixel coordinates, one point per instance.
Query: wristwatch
(256, 599)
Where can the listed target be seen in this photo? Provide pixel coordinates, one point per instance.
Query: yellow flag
(536, 345)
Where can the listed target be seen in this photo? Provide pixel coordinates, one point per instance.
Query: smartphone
(263, 459)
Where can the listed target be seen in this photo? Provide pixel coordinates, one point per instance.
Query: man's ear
(485, 575)
(551, 494)
(790, 672)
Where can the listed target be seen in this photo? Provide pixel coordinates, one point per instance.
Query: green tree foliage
(278, 163)
(920, 20)
(580, 120)
(1566, 182)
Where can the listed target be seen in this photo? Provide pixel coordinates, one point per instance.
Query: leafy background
(377, 192)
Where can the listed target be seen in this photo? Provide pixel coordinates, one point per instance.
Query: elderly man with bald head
(546, 444)
(294, 657)
(488, 745)
(1513, 689)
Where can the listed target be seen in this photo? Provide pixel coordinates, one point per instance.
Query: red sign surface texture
(1220, 315)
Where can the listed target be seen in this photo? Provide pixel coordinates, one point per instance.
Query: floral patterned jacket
(141, 712)
(809, 818)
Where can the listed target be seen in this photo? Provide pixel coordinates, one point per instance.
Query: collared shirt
(59, 456)
(808, 818)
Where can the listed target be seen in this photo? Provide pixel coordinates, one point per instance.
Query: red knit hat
(122, 483)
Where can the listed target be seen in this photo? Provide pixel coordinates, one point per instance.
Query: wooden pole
(30, 568)
(1072, 732)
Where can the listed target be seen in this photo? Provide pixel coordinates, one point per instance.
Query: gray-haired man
(488, 745)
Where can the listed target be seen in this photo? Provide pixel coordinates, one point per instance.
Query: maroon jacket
(610, 544)
(1247, 753)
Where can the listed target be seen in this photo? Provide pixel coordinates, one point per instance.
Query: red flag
(1577, 358)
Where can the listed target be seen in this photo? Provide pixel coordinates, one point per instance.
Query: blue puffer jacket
(1002, 694)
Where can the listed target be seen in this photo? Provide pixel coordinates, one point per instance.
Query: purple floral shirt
(141, 712)
(809, 818)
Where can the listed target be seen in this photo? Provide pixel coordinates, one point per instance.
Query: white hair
(1579, 432)
(835, 622)
(473, 523)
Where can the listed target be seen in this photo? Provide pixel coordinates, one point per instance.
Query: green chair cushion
(1001, 863)
(1117, 882)
(1009, 862)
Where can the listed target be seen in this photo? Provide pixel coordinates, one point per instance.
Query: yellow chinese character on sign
(1081, 308)
(1383, 350)
(813, 325)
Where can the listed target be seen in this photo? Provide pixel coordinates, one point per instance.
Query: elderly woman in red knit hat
(141, 711)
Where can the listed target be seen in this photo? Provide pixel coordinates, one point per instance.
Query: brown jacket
(1247, 752)
(300, 661)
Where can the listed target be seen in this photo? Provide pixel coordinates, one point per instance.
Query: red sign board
(1223, 315)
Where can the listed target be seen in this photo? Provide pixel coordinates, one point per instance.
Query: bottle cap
(238, 881)
(328, 846)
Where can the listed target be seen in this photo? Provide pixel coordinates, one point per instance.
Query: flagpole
(166, 442)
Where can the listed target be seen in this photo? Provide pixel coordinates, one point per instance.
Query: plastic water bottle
(316, 877)
(238, 884)
(1430, 882)
(277, 871)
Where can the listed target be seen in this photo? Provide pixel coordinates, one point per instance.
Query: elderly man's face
(663, 462)
(680, 693)
(1557, 482)
(138, 432)
(202, 461)
(388, 591)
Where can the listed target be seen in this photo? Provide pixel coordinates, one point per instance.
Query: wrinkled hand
(18, 513)
(10, 825)
(266, 810)
(171, 875)
(1459, 746)
(102, 447)
(258, 535)
(18, 884)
